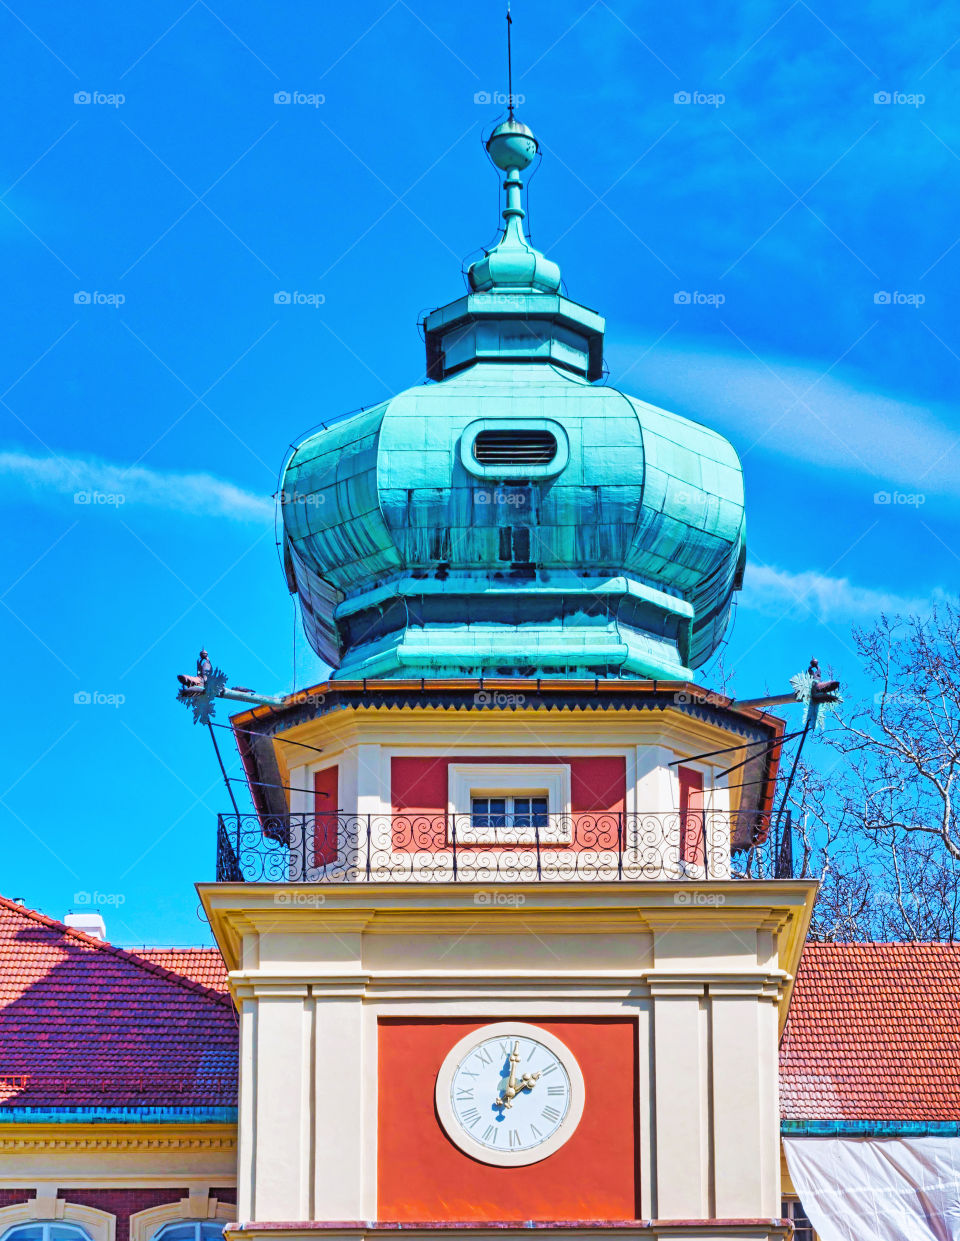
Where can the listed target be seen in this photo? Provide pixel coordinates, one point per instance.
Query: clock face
(510, 1094)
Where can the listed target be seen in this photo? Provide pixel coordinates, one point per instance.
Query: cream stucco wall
(704, 968)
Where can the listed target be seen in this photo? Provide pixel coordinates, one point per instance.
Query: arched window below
(183, 1230)
(197, 1217)
(46, 1230)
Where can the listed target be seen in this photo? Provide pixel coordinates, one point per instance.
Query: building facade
(112, 1126)
(118, 1081)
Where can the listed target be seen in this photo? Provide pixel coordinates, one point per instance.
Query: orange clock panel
(422, 1175)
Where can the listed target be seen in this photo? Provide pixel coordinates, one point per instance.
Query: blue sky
(798, 161)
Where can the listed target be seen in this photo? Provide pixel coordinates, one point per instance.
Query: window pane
(489, 811)
(530, 812)
(178, 1232)
(45, 1232)
(803, 1230)
(191, 1230)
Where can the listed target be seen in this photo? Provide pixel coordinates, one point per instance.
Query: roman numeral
(550, 1113)
(555, 1090)
(470, 1116)
(484, 1056)
(464, 1094)
(514, 1137)
(549, 1069)
(467, 1073)
(490, 1135)
(505, 1049)
(535, 1131)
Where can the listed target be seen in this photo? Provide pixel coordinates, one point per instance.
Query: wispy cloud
(90, 481)
(773, 591)
(793, 409)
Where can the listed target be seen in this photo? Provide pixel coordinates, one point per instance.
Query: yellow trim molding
(26, 1138)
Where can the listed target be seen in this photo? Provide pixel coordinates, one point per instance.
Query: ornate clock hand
(514, 1061)
(506, 1099)
(514, 1087)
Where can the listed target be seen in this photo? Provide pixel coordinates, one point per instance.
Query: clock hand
(513, 1087)
(514, 1061)
(506, 1099)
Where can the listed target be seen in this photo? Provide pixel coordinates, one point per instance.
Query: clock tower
(498, 934)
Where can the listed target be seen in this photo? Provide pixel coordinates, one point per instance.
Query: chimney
(91, 923)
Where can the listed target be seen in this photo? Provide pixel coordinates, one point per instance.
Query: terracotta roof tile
(83, 1023)
(873, 1034)
(202, 965)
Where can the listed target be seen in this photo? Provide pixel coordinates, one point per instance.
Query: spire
(509, 64)
(514, 310)
(513, 264)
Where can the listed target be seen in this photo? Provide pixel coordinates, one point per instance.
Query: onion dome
(514, 516)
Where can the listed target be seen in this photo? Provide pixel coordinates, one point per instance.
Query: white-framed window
(528, 810)
(191, 1230)
(509, 803)
(46, 1230)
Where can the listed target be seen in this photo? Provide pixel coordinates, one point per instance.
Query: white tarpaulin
(878, 1189)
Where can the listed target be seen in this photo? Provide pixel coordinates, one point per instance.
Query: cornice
(19, 1138)
(651, 1229)
(364, 908)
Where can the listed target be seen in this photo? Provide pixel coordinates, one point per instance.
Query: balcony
(397, 848)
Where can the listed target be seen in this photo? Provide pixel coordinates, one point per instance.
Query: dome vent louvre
(514, 448)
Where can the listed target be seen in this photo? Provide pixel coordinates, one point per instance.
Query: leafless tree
(904, 746)
(827, 847)
(875, 813)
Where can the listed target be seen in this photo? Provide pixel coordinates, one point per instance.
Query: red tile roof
(873, 1031)
(873, 1034)
(83, 1023)
(202, 965)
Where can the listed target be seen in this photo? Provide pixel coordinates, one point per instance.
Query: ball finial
(512, 145)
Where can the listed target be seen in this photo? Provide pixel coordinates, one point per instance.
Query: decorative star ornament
(818, 696)
(203, 702)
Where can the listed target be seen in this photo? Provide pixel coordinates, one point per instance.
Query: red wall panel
(598, 785)
(326, 797)
(422, 1175)
(691, 815)
(419, 785)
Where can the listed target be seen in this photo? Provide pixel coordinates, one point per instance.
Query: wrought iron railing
(357, 848)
